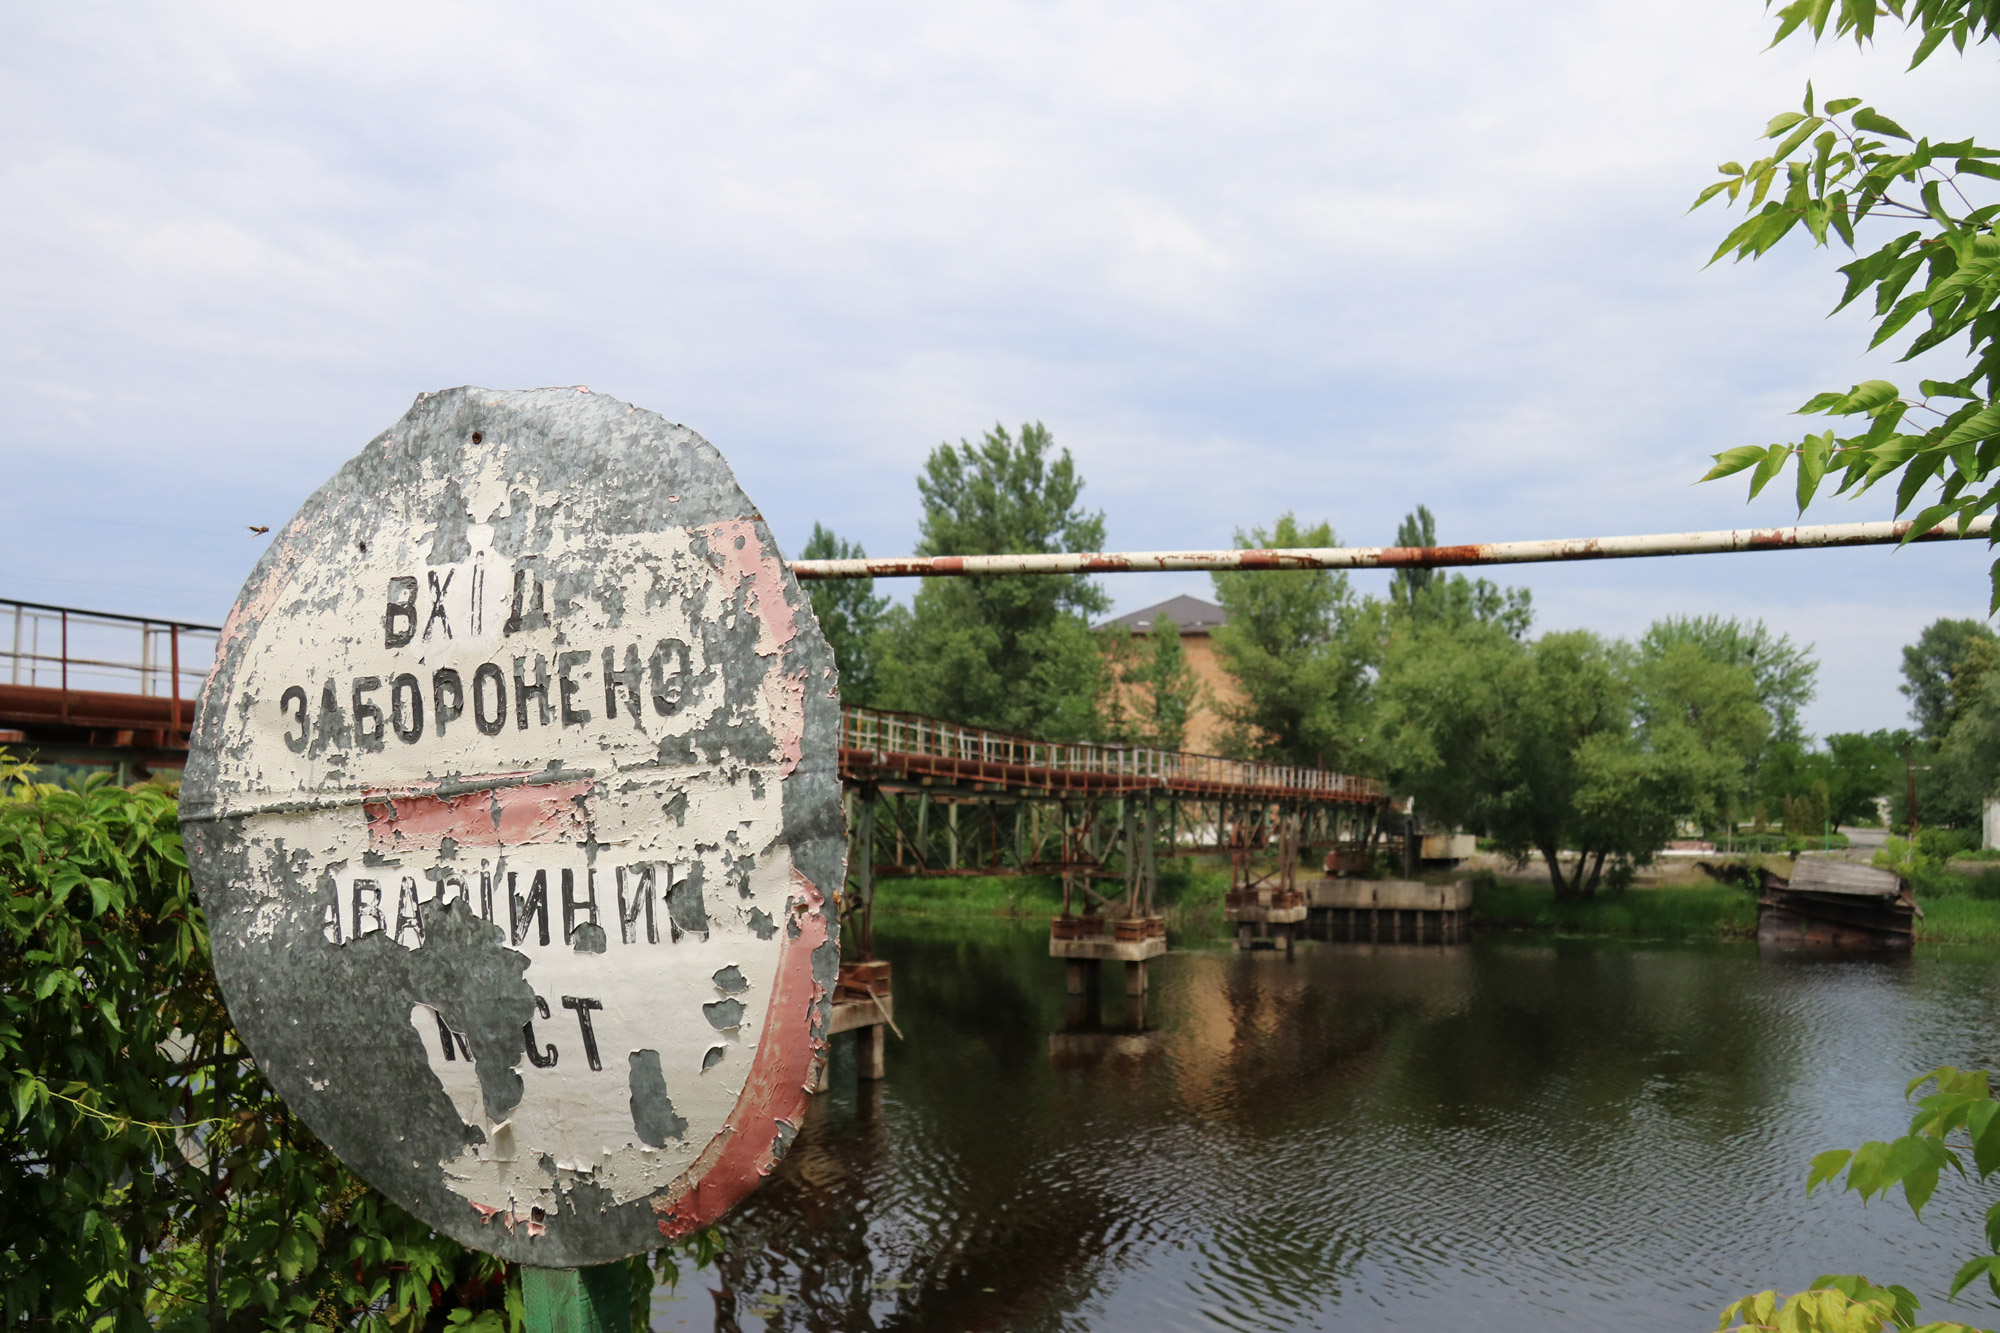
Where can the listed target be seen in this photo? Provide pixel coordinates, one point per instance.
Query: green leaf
(1709, 194)
(1987, 1266)
(1980, 1126)
(1867, 396)
(24, 1089)
(1927, 519)
(1840, 104)
(1783, 121)
(1814, 451)
(1916, 1161)
(1734, 460)
(1915, 474)
(1867, 118)
(1825, 1166)
(1773, 464)
(1797, 137)
(1980, 426)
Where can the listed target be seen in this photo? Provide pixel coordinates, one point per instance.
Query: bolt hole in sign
(513, 804)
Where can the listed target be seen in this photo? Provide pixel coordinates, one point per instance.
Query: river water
(1515, 1133)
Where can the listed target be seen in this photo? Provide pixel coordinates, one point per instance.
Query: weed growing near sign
(151, 1178)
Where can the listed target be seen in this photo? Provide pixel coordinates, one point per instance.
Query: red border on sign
(790, 1049)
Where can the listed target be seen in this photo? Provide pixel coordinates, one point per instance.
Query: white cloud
(1341, 259)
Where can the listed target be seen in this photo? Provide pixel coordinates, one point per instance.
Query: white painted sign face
(513, 805)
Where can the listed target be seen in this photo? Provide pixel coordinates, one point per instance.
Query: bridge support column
(870, 1046)
(1135, 978)
(1084, 1004)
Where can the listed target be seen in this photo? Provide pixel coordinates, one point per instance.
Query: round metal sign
(513, 804)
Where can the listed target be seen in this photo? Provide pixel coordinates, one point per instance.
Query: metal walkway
(101, 689)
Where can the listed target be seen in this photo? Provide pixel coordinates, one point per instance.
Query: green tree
(1428, 594)
(1291, 644)
(1705, 720)
(1840, 166)
(1569, 743)
(1785, 674)
(1940, 667)
(850, 615)
(1864, 767)
(1158, 688)
(1965, 767)
(1012, 653)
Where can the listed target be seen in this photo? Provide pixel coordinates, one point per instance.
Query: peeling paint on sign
(512, 802)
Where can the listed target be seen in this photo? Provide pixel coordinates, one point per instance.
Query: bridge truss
(933, 798)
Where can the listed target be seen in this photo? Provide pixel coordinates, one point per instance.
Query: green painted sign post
(578, 1300)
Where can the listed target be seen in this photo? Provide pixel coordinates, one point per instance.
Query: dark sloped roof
(1192, 614)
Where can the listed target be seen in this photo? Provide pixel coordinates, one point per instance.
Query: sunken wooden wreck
(1824, 903)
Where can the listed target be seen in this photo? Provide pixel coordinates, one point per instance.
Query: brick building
(1198, 620)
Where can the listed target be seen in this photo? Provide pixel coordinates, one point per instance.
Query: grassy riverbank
(1699, 910)
(1191, 899)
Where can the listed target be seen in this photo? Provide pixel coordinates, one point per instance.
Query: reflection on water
(1495, 1135)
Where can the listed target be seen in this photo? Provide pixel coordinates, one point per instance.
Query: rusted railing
(59, 647)
(907, 733)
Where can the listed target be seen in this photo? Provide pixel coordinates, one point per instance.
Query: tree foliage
(1852, 769)
(850, 615)
(1290, 644)
(1568, 743)
(1158, 690)
(1014, 653)
(1941, 672)
(1785, 675)
(151, 1178)
(1837, 167)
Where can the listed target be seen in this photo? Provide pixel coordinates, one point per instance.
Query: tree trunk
(1596, 871)
(1565, 888)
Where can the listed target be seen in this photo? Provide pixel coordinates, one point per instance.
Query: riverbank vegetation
(1959, 908)
(1699, 910)
(1190, 898)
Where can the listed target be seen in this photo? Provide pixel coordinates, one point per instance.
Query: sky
(1329, 258)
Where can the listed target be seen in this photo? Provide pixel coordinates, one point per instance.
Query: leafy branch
(1834, 167)
(1958, 1119)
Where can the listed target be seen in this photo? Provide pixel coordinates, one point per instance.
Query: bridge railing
(909, 733)
(60, 647)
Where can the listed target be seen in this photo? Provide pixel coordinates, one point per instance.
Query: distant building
(1198, 620)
